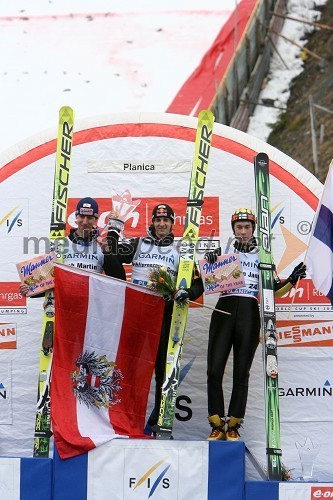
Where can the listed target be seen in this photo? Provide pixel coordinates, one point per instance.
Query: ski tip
(261, 157)
(66, 113)
(206, 115)
(66, 108)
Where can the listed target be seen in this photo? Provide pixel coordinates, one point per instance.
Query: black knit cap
(87, 206)
(163, 210)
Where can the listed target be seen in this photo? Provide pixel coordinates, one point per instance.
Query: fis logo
(150, 481)
(11, 220)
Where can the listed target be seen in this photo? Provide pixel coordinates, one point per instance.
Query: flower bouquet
(286, 473)
(161, 282)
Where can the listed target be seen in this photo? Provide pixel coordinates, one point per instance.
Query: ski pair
(188, 244)
(43, 431)
(268, 318)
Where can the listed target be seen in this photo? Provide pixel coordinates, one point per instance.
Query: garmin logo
(306, 392)
(141, 167)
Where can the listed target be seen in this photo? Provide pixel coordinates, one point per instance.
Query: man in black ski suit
(158, 248)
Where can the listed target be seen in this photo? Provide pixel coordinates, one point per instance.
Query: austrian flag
(106, 338)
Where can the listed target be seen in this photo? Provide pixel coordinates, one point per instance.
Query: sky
(103, 56)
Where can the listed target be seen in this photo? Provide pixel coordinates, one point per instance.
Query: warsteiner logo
(96, 381)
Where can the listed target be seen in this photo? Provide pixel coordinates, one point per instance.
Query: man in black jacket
(158, 248)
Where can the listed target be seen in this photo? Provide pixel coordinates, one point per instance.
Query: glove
(181, 296)
(211, 257)
(298, 273)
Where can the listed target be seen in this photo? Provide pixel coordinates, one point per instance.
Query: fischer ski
(268, 318)
(43, 431)
(185, 271)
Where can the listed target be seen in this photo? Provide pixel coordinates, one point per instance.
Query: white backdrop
(161, 147)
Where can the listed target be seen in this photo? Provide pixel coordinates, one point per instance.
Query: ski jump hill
(159, 148)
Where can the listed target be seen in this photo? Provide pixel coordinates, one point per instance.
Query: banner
(107, 335)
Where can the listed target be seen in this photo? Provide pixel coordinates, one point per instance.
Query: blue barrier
(263, 490)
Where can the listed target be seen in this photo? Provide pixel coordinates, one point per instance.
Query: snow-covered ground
(104, 56)
(286, 64)
(98, 56)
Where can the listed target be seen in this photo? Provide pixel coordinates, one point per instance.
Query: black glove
(298, 273)
(181, 296)
(211, 257)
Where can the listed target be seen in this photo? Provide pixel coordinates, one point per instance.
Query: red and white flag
(106, 340)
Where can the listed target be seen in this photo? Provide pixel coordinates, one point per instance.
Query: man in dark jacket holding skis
(81, 249)
(158, 248)
(239, 331)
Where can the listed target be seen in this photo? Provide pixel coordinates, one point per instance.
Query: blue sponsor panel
(36, 479)
(226, 473)
(263, 490)
(70, 477)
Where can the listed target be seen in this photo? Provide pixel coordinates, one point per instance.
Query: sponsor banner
(13, 216)
(305, 293)
(137, 167)
(6, 416)
(8, 335)
(304, 302)
(207, 244)
(12, 310)
(137, 220)
(11, 301)
(303, 398)
(305, 333)
(305, 491)
(10, 295)
(152, 469)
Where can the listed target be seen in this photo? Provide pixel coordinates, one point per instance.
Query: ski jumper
(240, 332)
(85, 253)
(144, 253)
